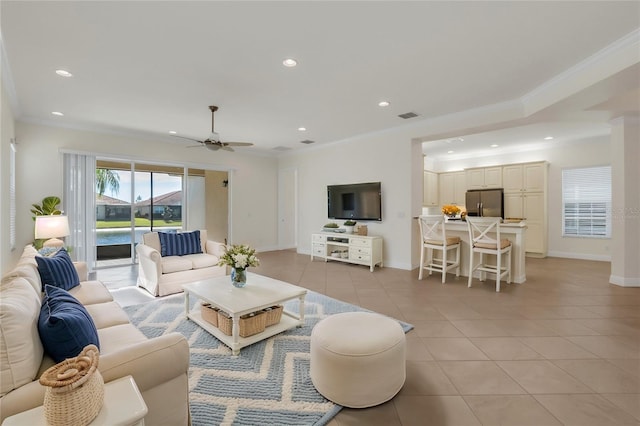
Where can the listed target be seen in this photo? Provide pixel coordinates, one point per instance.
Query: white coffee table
(259, 293)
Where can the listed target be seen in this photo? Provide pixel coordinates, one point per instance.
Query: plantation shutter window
(586, 202)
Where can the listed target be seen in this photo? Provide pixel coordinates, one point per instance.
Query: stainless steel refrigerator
(485, 202)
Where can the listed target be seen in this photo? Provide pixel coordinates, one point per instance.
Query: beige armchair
(163, 275)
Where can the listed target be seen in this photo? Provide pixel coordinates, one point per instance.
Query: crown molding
(608, 61)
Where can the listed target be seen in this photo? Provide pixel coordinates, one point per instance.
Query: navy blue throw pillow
(64, 325)
(58, 270)
(179, 244)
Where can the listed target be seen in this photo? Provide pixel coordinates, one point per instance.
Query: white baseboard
(582, 256)
(267, 248)
(624, 281)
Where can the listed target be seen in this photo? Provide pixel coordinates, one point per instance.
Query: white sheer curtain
(80, 206)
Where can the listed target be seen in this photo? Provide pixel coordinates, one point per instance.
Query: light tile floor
(562, 348)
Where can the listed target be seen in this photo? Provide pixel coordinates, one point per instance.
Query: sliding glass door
(135, 198)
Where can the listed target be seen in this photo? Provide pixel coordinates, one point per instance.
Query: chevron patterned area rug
(268, 383)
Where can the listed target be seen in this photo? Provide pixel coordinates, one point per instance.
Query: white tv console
(358, 249)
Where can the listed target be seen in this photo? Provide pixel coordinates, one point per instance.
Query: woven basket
(250, 324)
(210, 313)
(362, 230)
(74, 390)
(274, 314)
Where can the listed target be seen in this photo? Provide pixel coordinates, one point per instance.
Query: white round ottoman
(358, 358)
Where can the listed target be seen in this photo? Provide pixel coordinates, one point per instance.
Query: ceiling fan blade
(189, 139)
(238, 143)
(227, 148)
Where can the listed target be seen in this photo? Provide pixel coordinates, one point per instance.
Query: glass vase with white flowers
(239, 257)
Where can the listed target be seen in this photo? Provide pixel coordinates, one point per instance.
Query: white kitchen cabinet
(528, 177)
(453, 186)
(532, 207)
(484, 178)
(430, 189)
(525, 196)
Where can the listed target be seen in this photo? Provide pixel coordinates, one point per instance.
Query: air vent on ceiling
(281, 148)
(307, 142)
(407, 115)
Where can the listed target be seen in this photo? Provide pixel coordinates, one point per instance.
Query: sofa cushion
(28, 271)
(179, 244)
(119, 337)
(201, 260)
(107, 314)
(175, 264)
(90, 292)
(20, 347)
(64, 325)
(58, 270)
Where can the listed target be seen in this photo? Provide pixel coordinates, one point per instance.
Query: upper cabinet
(453, 186)
(528, 177)
(430, 189)
(484, 178)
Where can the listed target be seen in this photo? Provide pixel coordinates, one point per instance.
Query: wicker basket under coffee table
(260, 293)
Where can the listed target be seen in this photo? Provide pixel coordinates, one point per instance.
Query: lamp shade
(51, 226)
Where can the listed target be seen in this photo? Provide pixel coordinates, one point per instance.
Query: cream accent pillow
(21, 351)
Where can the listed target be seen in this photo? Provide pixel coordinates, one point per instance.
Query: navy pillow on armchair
(64, 325)
(179, 244)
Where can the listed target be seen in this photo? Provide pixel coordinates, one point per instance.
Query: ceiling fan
(213, 142)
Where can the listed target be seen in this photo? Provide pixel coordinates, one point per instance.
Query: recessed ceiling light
(450, 152)
(460, 140)
(302, 129)
(548, 138)
(495, 145)
(289, 62)
(58, 113)
(383, 104)
(64, 73)
(172, 132)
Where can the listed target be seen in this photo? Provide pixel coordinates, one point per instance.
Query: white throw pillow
(21, 351)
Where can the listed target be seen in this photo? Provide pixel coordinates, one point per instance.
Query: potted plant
(330, 227)
(349, 225)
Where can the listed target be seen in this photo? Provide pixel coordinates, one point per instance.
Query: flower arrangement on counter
(239, 257)
(450, 210)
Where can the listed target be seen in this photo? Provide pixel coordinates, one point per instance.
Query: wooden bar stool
(481, 242)
(434, 237)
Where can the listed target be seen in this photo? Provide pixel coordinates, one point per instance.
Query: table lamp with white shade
(50, 228)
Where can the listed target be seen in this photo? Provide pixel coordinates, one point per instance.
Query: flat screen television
(358, 201)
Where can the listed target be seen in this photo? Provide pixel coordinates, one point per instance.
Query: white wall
(578, 153)
(384, 157)
(6, 134)
(39, 168)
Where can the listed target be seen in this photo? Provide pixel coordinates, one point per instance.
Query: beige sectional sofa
(159, 365)
(163, 275)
